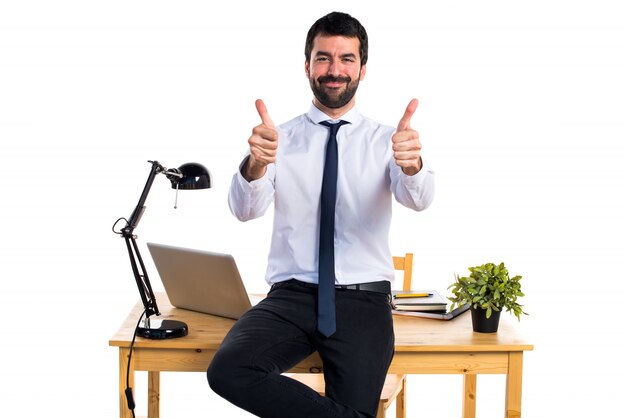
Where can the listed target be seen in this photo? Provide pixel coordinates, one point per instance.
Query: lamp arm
(140, 208)
(136, 262)
(141, 278)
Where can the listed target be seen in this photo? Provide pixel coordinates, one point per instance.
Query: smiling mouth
(334, 83)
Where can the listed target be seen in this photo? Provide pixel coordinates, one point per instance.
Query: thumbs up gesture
(406, 144)
(263, 145)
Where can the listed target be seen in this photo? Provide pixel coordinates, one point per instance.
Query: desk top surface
(412, 334)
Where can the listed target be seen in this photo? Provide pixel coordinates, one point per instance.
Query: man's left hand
(406, 143)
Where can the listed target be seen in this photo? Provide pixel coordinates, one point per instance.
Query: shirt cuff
(418, 178)
(251, 186)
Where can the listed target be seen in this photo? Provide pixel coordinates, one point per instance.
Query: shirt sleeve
(415, 192)
(250, 200)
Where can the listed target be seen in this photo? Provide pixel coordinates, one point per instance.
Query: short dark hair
(337, 24)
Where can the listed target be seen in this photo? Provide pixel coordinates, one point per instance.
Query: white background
(521, 114)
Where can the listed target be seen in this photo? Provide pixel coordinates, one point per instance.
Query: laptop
(201, 281)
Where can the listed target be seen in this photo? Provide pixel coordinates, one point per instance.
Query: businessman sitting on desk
(331, 174)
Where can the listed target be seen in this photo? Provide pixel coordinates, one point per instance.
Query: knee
(219, 377)
(227, 376)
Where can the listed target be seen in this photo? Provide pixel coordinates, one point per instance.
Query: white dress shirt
(367, 177)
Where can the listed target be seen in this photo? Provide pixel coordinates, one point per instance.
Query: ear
(362, 73)
(306, 68)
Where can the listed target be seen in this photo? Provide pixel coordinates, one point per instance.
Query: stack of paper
(423, 303)
(420, 301)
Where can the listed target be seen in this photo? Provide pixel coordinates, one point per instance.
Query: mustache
(332, 79)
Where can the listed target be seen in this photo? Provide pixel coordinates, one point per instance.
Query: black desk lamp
(190, 176)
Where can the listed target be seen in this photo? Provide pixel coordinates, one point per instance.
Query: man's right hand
(263, 145)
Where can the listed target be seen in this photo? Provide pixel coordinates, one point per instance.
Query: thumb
(265, 117)
(405, 122)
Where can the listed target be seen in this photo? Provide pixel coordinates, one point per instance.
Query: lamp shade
(195, 176)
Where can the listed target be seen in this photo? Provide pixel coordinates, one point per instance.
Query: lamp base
(160, 329)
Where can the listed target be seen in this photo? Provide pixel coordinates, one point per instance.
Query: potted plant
(488, 289)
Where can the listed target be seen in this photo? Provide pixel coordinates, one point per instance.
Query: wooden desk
(423, 346)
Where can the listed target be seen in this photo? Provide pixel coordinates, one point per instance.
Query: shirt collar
(317, 116)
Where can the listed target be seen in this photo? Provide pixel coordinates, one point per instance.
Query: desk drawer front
(172, 360)
(450, 363)
(191, 360)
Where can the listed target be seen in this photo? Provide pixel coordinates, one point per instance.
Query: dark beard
(334, 102)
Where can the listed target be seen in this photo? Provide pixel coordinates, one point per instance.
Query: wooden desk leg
(513, 406)
(469, 396)
(154, 379)
(124, 353)
(401, 400)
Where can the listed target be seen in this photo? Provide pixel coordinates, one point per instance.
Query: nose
(334, 69)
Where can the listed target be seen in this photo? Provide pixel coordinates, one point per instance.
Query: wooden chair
(395, 384)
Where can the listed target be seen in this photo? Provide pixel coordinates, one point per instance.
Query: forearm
(250, 199)
(251, 171)
(413, 191)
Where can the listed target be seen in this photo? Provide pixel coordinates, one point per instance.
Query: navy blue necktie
(326, 283)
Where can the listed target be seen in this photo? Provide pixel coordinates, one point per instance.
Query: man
(331, 174)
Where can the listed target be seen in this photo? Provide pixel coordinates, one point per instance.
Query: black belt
(380, 287)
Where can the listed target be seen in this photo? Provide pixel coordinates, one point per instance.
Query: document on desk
(446, 315)
(418, 300)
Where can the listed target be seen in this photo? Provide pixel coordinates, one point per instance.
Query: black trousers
(280, 331)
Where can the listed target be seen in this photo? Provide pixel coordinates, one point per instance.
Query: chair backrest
(406, 264)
